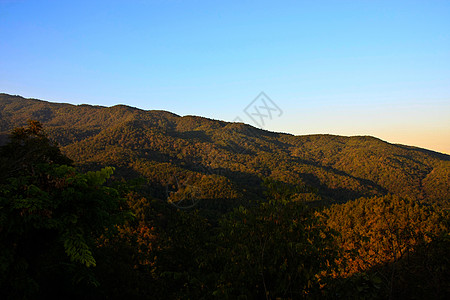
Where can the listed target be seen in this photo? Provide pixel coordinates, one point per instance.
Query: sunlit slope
(227, 160)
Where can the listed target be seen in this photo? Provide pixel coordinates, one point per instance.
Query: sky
(378, 68)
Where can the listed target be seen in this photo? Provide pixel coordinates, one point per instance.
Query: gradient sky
(377, 68)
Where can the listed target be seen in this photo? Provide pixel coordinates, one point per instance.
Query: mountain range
(194, 158)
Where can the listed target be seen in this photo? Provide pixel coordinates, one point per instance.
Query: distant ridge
(228, 160)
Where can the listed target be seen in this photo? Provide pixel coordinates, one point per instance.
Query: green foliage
(276, 249)
(77, 249)
(50, 216)
(160, 145)
(66, 233)
(279, 243)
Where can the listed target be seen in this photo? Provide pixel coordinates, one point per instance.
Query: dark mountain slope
(227, 160)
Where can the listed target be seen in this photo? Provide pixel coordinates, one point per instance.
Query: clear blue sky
(345, 67)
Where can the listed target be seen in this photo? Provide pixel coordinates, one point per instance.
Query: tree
(277, 249)
(29, 146)
(50, 218)
(388, 243)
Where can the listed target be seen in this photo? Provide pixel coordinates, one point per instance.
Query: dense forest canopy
(113, 203)
(231, 158)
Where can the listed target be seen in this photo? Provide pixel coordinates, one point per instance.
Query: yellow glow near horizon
(424, 125)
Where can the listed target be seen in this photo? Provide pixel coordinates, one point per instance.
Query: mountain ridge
(128, 107)
(231, 157)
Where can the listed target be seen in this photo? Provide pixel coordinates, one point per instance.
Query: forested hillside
(225, 161)
(121, 203)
